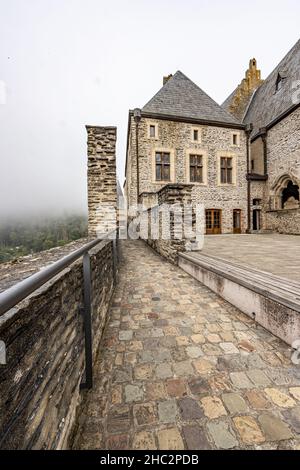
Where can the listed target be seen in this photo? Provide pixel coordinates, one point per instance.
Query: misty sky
(67, 63)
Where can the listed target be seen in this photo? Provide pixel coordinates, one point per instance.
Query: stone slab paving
(180, 368)
(273, 252)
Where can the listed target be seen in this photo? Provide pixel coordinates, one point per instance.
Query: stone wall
(283, 148)
(283, 157)
(176, 137)
(257, 156)
(44, 338)
(171, 238)
(283, 221)
(102, 180)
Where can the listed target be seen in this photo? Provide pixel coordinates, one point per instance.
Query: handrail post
(88, 384)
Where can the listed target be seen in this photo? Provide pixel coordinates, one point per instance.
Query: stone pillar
(102, 180)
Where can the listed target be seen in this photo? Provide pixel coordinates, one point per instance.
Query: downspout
(264, 139)
(248, 131)
(137, 117)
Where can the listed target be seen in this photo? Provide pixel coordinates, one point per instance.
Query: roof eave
(191, 120)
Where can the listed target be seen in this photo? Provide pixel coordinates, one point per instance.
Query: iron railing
(15, 294)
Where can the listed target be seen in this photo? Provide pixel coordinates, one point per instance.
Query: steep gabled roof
(181, 97)
(268, 104)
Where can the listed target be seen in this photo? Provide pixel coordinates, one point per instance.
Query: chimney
(102, 180)
(165, 79)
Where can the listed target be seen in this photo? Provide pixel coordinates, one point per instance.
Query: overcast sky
(68, 63)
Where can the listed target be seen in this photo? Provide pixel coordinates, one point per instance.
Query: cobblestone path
(180, 368)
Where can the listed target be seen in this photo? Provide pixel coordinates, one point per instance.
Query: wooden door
(213, 221)
(237, 221)
(256, 219)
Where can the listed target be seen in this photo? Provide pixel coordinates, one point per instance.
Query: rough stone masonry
(102, 181)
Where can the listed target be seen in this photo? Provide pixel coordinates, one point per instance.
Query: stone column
(102, 180)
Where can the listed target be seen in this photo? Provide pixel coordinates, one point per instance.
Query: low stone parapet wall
(170, 238)
(284, 221)
(44, 338)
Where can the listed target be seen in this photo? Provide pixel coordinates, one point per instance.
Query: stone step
(273, 301)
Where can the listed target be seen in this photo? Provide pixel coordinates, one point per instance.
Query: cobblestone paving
(180, 368)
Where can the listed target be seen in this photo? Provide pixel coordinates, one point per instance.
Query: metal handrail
(15, 294)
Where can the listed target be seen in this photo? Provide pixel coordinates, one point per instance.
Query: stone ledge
(272, 301)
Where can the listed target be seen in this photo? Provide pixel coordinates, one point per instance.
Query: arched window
(284, 193)
(290, 191)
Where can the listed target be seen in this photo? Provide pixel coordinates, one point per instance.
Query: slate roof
(227, 102)
(181, 97)
(267, 104)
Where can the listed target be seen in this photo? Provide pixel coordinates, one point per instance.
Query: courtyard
(180, 368)
(273, 252)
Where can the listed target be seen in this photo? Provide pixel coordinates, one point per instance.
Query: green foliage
(22, 237)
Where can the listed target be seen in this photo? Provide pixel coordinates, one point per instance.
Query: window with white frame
(162, 166)
(196, 134)
(235, 139)
(152, 130)
(226, 167)
(196, 168)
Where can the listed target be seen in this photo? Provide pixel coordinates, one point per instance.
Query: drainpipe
(137, 115)
(264, 139)
(248, 130)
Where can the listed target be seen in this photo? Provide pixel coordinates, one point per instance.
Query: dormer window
(280, 80)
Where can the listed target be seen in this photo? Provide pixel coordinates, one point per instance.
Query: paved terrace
(275, 253)
(181, 368)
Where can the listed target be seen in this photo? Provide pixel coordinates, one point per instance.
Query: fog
(68, 63)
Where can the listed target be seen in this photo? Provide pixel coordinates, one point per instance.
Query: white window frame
(155, 125)
(237, 139)
(225, 154)
(196, 128)
(203, 154)
(172, 165)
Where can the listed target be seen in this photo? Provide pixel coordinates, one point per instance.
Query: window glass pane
(223, 175)
(158, 157)
(195, 134)
(192, 174)
(158, 172)
(229, 175)
(166, 157)
(199, 175)
(166, 173)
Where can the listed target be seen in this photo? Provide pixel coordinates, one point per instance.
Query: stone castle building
(241, 159)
